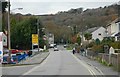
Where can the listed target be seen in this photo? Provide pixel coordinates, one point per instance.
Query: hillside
(83, 19)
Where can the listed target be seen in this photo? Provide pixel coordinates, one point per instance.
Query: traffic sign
(34, 38)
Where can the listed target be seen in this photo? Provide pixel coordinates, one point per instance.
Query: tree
(88, 36)
(21, 32)
(4, 6)
(79, 40)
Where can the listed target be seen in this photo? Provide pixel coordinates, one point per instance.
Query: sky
(41, 7)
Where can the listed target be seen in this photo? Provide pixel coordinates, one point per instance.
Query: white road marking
(38, 66)
(87, 67)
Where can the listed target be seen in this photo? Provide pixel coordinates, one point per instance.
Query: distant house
(51, 38)
(113, 29)
(97, 33)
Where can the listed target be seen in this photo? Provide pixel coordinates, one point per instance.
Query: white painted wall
(118, 26)
(113, 28)
(96, 33)
(4, 38)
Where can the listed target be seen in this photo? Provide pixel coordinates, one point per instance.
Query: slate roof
(90, 30)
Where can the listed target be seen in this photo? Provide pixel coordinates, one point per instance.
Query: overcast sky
(40, 7)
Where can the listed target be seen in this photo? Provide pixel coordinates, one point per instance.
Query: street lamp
(9, 43)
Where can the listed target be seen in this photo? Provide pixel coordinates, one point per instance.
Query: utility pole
(9, 43)
(0, 16)
(38, 30)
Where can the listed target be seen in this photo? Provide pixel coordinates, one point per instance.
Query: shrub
(115, 45)
(97, 48)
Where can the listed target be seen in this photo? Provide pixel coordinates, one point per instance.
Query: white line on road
(38, 66)
(87, 67)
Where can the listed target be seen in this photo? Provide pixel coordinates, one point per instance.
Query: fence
(113, 59)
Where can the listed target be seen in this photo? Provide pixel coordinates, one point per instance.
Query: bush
(97, 48)
(115, 45)
(90, 44)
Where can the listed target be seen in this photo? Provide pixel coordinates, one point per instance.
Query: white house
(100, 33)
(3, 38)
(3, 42)
(113, 29)
(97, 33)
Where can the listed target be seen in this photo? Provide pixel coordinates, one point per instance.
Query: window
(99, 34)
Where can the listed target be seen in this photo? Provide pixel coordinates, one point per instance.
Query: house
(51, 38)
(3, 38)
(3, 43)
(113, 28)
(97, 33)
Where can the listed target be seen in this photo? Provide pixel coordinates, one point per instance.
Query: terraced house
(113, 29)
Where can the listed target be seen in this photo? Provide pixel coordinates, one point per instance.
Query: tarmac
(106, 70)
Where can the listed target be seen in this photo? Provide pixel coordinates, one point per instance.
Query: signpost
(34, 40)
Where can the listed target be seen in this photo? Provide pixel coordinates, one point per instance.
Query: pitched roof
(91, 29)
(115, 21)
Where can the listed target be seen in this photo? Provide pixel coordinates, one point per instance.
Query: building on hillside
(97, 33)
(113, 29)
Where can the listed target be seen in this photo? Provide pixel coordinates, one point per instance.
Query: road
(60, 62)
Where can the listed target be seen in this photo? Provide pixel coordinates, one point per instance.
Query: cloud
(53, 7)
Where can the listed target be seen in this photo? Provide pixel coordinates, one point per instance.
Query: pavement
(106, 70)
(24, 66)
(37, 59)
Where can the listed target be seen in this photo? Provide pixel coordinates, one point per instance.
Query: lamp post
(9, 42)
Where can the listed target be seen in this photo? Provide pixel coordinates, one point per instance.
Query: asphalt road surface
(60, 62)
